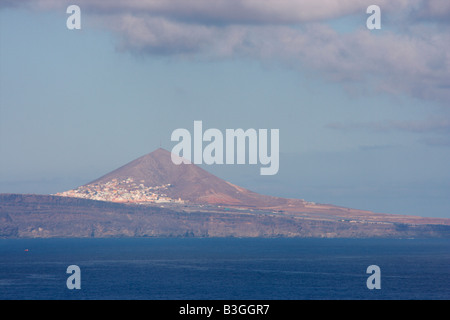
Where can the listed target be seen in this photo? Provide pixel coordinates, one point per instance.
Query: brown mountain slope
(155, 178)
(188, 182)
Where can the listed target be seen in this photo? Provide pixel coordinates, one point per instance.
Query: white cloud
(226, 11)
(407, 56)
(439, 126)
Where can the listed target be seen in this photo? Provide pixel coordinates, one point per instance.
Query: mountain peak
(159, 151)
(155, 176)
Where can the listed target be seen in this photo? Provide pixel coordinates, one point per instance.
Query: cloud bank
(440, 126)
(410, 55)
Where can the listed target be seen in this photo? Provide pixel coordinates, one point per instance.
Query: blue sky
(364, 116)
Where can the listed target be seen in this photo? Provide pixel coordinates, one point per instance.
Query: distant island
(152, 197)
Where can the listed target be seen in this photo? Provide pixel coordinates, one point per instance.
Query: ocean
(224, 269)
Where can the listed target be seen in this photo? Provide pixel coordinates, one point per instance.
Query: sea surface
(224, 269)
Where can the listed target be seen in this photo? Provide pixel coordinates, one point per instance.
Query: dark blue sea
(224, 269)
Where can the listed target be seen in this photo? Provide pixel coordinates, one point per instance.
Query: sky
(363, 115)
